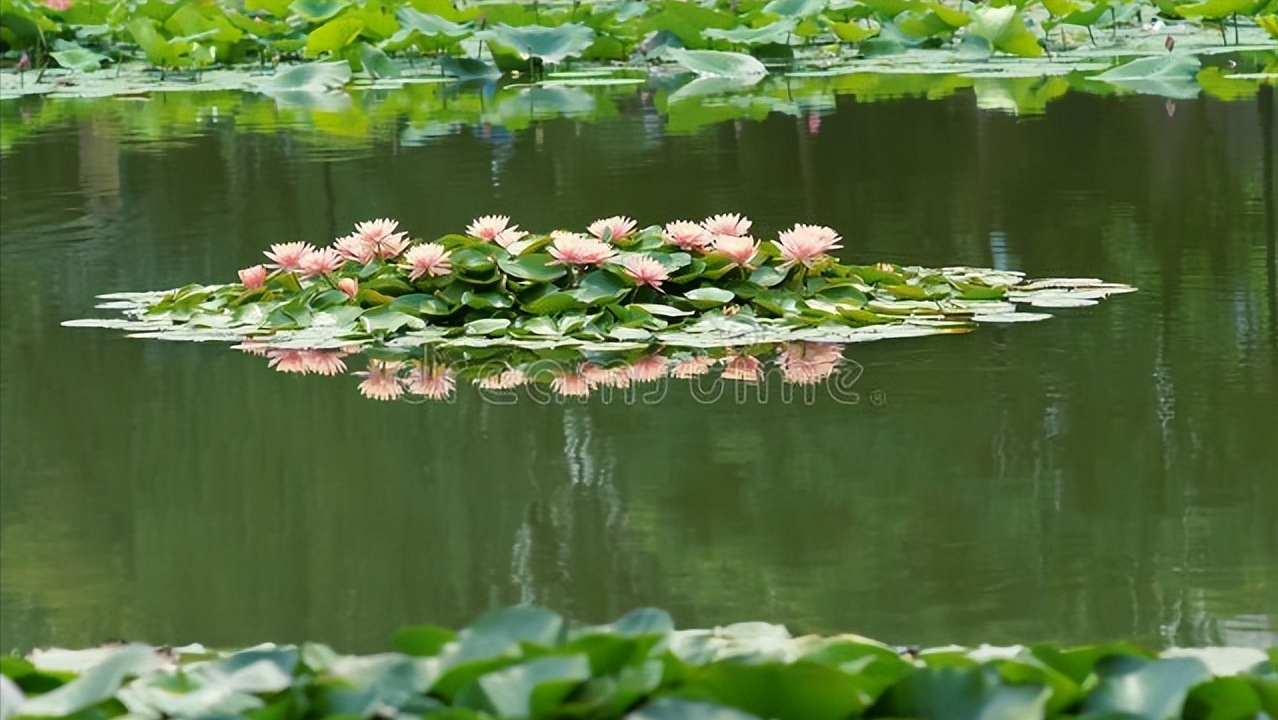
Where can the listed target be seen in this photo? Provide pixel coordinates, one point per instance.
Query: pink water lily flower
(687, 235)
(321, 262)
(350, 286)
(574, 249)
(613, 228)
(727, 224)
(646, 270)
(434, 381)
(741, 249)
(808, 363)
(381, 381)
(253, 277)
(495, 228)
(806, 244)
(381, 234)
(58, 5)
(428, 259)
(288, 256)
(355, 247)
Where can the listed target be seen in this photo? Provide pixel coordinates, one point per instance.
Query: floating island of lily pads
(597, 305)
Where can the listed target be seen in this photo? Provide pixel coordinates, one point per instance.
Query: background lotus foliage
(527, 662)
(475, 38)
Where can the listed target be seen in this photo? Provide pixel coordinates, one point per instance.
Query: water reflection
(504, 376)
(347, 124)
(1106, 475)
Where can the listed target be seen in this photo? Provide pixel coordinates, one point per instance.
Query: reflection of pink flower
(806, 244)
(350, 286)
(687, 235)
(493, 228)
(288, 256)
(324, 362)
(287, 361)
(253, 347)
(648, 368)
(354, 247)
(740, 249)
(428, 259)
(646, 270)
(613, 228)
(253, 277)
(727, 224)
(573, 249)
(743, 367)
(382, 236)
(570, 385)
(808, 363)
(433, 381)
(601, 376)
(320, 362)
(689, 368)
(505, 380)
(320, 262)
(814, 122)
(381, 381)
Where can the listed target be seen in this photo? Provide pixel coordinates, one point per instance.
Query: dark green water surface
(1110, 473)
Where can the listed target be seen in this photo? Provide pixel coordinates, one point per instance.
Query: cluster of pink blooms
(726, 234)
(372, 240)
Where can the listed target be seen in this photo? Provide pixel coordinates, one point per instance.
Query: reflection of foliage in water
(418, 113)
(367, 34)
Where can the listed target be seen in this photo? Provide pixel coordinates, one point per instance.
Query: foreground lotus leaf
(528, 662)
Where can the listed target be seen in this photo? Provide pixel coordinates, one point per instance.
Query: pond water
(1106, 474)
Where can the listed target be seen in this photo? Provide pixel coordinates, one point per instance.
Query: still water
(1109, 473)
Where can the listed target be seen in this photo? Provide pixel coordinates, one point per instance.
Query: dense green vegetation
(527, 662)
(371, 34)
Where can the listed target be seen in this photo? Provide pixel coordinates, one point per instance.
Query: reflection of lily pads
(311, 76)
(1172, 75)
(704, 86)
(549, 44)
(714, 62)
